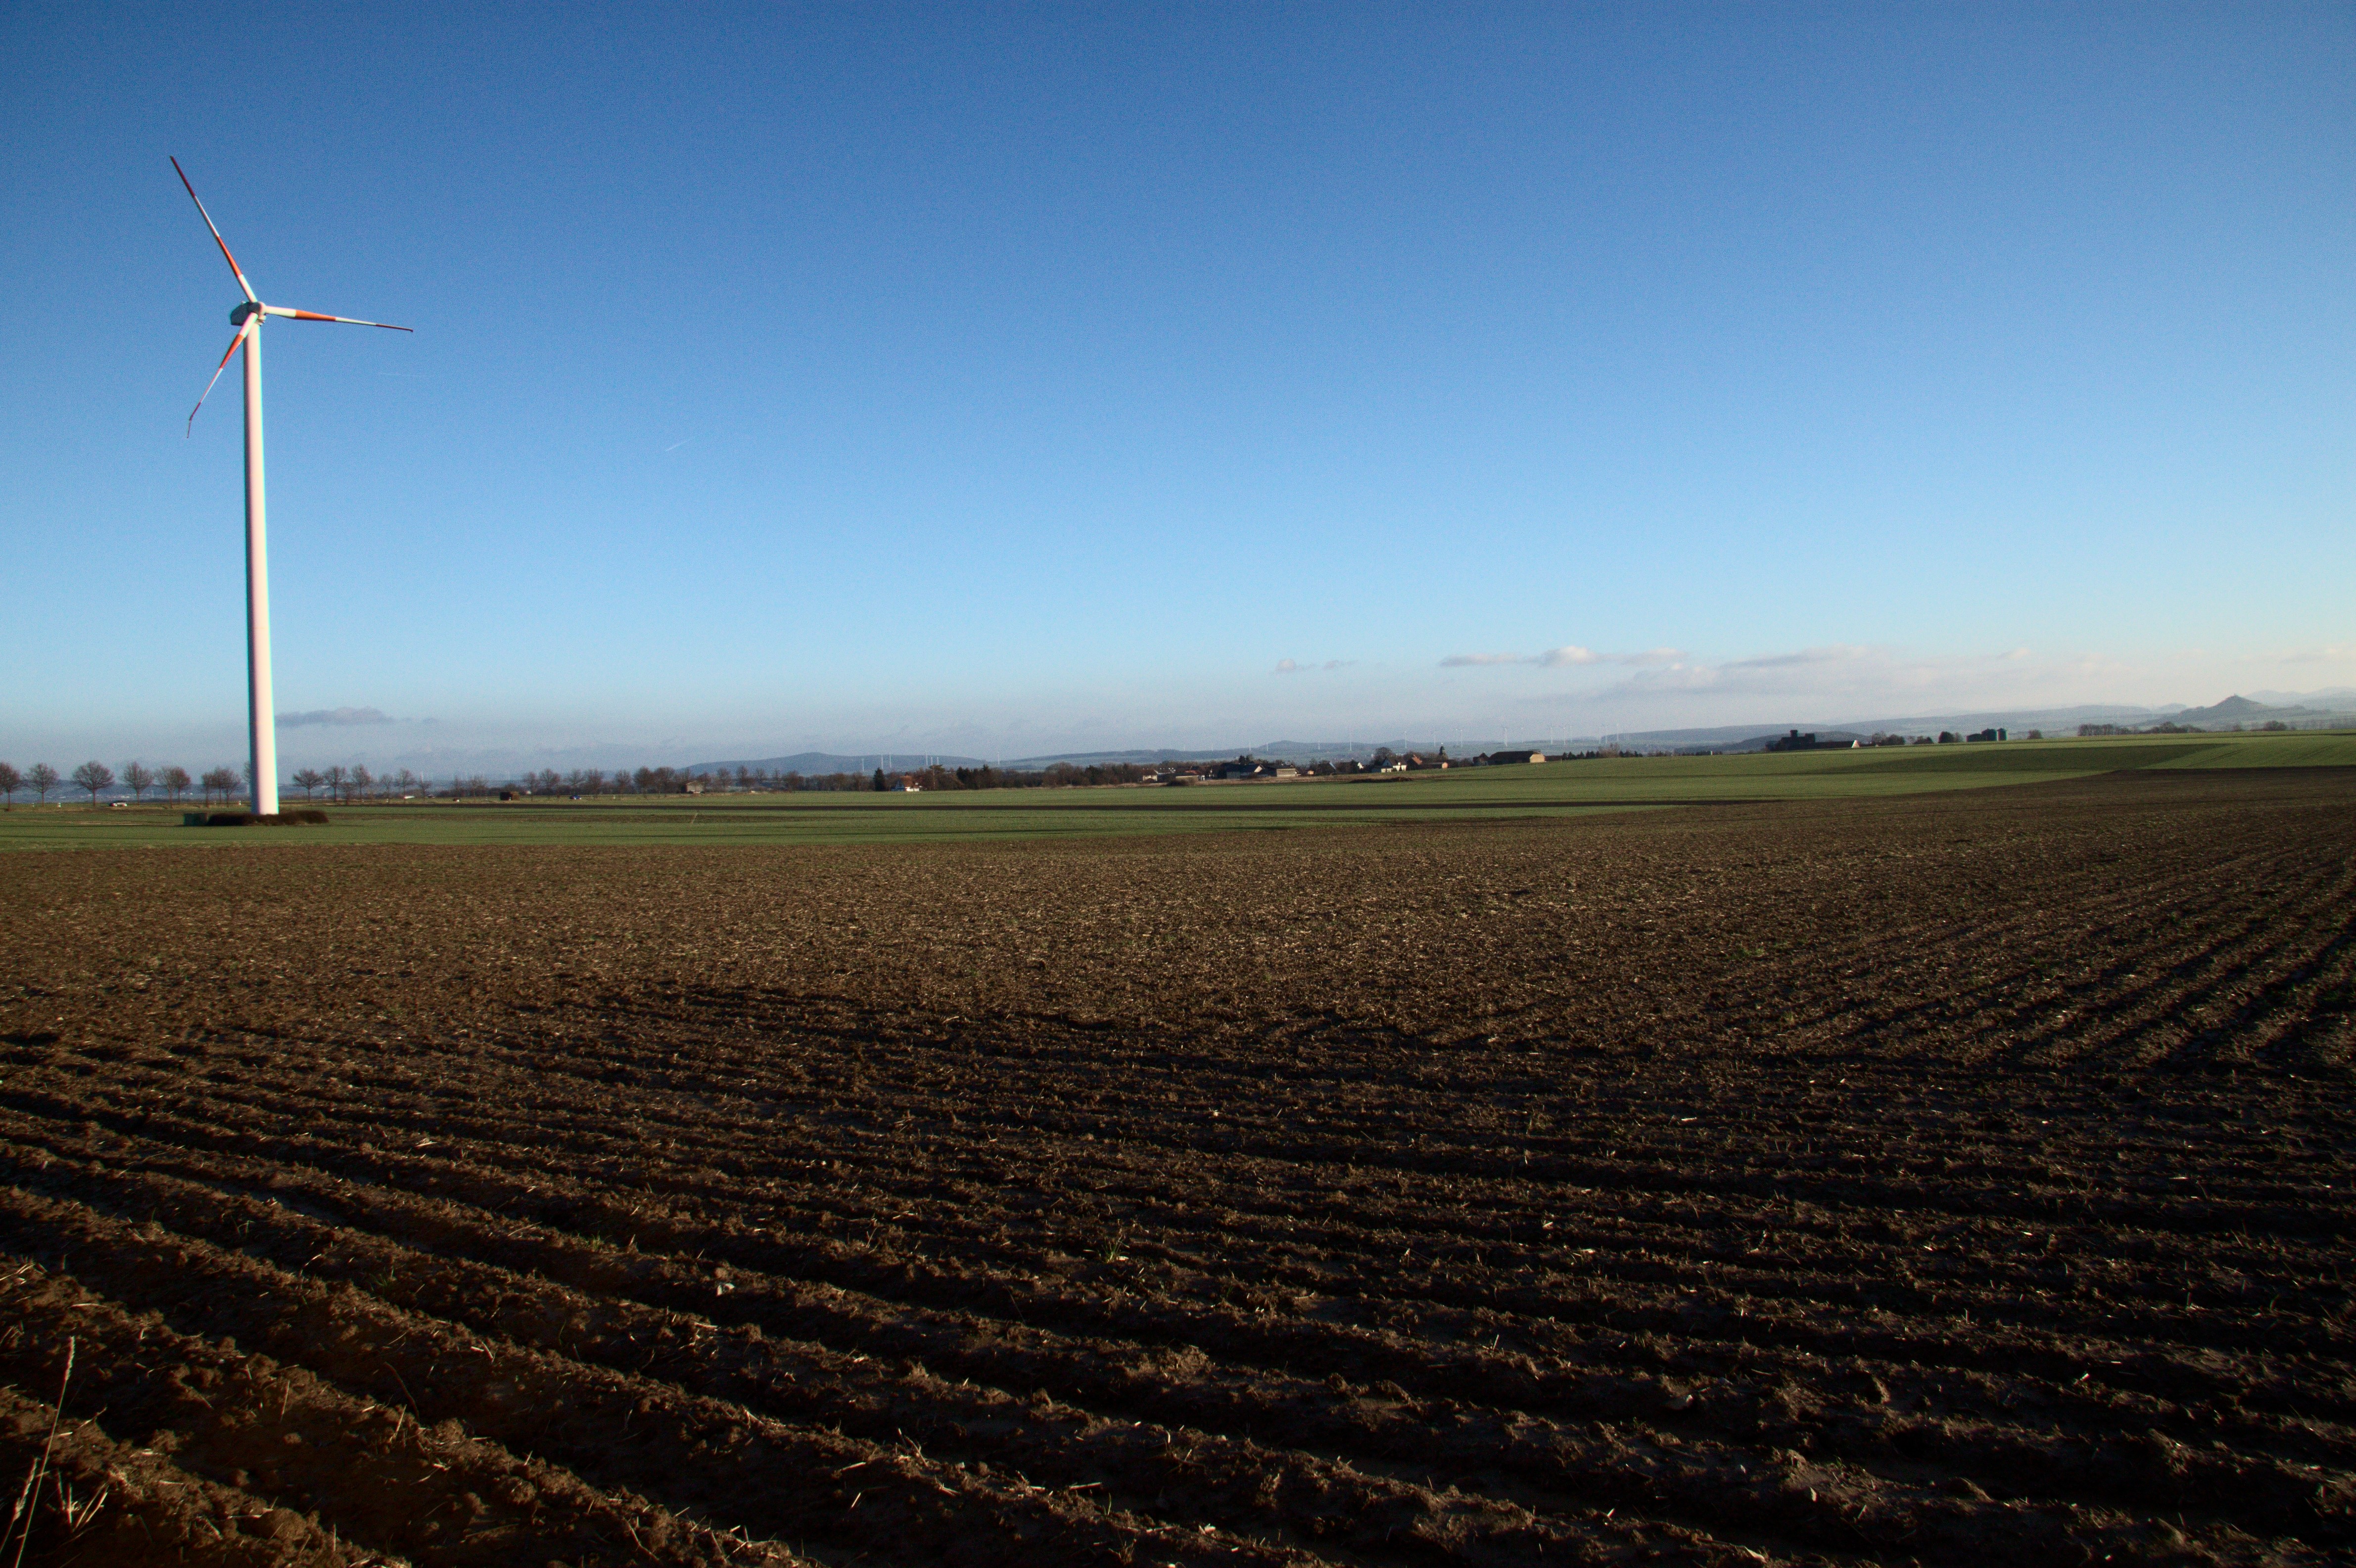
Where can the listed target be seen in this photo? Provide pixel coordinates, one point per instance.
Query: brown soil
(1956, 1179)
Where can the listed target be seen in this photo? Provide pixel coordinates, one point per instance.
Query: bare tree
(224, 778)
(93, 776)
(11, 781)
(406, 782)
(334, 779)
(137, 777)
(43, 778)
(361, 781)
(176, 781)
(309, 781)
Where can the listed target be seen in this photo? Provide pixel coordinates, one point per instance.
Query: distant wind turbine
(248, 318)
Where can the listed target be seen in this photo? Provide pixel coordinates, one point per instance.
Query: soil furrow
(1949, 1177)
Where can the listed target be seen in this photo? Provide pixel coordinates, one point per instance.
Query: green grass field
(1554, 789)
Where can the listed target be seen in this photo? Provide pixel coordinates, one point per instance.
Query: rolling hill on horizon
(2303, 710)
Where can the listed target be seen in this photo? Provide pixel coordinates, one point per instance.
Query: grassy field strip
(2319, 749)
(1555, 789)
(86, 829)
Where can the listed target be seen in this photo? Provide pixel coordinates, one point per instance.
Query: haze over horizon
(1000, 381)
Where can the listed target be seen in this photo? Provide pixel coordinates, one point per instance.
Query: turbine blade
(346, 320)
(234, 345)
(217, 238)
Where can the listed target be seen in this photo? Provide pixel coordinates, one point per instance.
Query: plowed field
(1956, 1178)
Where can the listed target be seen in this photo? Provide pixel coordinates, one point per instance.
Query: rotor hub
(245, 309)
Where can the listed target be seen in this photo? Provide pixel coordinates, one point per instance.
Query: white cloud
(1557, 658)
(1841, 681)
(1288, 666)
(333, 716)
(1837, 653)
(1829, 670)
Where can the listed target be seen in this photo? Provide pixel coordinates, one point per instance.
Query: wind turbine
(247, 318)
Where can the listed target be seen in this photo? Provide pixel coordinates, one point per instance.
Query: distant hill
(821, 763)
(2333, 699)
(2300, 709)
(2250, 713)
(1824, 738)
(1113, 759)
(2245, 711)
(1271, 751)
(2233, 710)
(2020, 721)
(1347, 750)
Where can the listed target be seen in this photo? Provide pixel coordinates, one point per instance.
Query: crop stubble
(1953, 1179)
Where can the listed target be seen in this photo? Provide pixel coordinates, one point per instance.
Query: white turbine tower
(248, 318)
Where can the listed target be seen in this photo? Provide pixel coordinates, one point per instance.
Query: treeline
(1059, 776)
(348, 785)
(1055, 775)
(351, 783)
(2168, 727)
(137, 780)
(357, 784)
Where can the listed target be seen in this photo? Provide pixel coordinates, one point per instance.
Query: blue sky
(1004, 379)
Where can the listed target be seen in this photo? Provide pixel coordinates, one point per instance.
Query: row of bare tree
(342, 783)
(350, 784)
(356, 782)
(138, 778)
